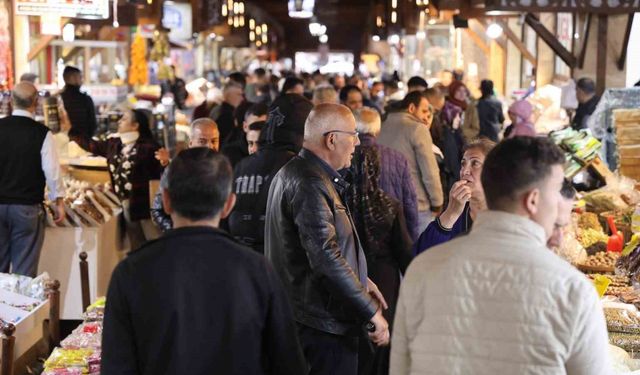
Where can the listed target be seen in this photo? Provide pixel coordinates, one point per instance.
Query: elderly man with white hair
(313, 245)
(395, 176)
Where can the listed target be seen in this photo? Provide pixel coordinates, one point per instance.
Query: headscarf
(522, 111)
(449, 112)
(455, 85)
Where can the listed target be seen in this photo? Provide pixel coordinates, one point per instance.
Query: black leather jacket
(312, 243)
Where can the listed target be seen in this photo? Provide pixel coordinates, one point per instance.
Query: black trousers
(329, 354)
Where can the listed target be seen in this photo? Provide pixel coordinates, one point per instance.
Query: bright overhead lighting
(394, 17)
(394, 4)
(224, 10)
(375, 38)
(69, 32)
(252, 35)
(324, 38)
(264, 28)
(394, 39)
(252, 24)
(301, 8)
(494, 31)
(421, 35)
(432, 21)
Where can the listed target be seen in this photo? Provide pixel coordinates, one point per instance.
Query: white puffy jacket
(497, 301)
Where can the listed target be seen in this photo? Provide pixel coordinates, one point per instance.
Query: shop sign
(88, 9)
(177, 18)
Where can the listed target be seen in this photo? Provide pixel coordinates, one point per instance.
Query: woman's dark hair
(517, 164)
(199, 183)
(568, 191)
(486, 87)
(142, 119)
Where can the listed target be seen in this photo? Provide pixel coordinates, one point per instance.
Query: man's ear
(228, 206)
(532, 201)
(412, 108)
(166, 202)
(330, 141)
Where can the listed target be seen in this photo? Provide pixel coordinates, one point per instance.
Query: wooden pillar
(8, 344)
(84, 281)
(601, 65)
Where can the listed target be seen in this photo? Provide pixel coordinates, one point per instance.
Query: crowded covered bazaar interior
(323, 187)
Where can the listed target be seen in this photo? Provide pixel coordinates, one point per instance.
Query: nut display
(607, 260)
(621, 320)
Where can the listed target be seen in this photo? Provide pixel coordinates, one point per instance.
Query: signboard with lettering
(88, 9)
(177, 18)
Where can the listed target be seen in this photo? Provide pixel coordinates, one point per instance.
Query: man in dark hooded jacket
(282, 138)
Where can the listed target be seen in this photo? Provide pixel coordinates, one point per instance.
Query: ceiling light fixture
(324, 38)
(394, 17)
(375, 38)
(494, 31)
(394, 39)
(301, 8)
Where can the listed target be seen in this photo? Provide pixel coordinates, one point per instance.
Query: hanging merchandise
(159, 52)
(6, 73)
(138, 71)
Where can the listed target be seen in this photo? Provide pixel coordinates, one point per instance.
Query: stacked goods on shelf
(627, 125)
(85, 205)
(580, 148)
(21, 295)
(81, 350)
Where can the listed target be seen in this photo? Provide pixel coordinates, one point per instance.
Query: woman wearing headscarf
(520, 114)
(132, 164)
(459, 96)
(450, 140)
(381, 227)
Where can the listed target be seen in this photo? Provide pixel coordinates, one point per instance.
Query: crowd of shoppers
(294, 252)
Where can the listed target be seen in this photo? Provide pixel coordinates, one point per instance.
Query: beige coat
(497, 301)
(406, 134)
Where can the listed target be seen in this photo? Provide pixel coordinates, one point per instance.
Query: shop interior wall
(616, 29)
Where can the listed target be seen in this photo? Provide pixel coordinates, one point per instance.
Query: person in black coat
(385, 239)
(78, 105)
(489, 112)
(195, 301)
(282, 138)
(132, 164)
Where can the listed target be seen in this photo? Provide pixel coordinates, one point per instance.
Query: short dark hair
(344, 92)
(412, 98)
(257, 126)
(238, 77)
(586, 85)
(259, 109)
(515, 165)
(568, 192)
(486, 87)
(417, 81)
(290, 83)
(260, 72)
(199, 183)
(69, 71)
(433, 92)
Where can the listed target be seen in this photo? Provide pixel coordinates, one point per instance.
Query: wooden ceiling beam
(518, 43)
(585, 40)
(479, 41)
(625, 42)
(548, 37)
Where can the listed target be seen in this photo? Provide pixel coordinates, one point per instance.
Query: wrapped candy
(70, 359)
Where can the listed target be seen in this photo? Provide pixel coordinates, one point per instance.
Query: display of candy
(87, 335)
(69, 359)
(34, 288)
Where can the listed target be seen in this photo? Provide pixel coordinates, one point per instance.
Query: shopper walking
(283, 136)
(489, 112)
(312, 243)
(385, 240)
(394, 177)
(224, 114)
(79, 106)
(407, 133)
(236, 148)
(497, 300)
(195, 301)
(132, 164)
(204, 133)
(28, 161)
(466, 200)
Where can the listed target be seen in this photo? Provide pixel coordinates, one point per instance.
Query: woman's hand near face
(458, 197)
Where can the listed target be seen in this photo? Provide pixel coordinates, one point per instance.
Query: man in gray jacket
(407, 131)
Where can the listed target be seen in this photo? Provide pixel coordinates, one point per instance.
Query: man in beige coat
(407, 132)
(497, 301)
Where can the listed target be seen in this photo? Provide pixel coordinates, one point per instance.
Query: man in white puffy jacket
(497, 301)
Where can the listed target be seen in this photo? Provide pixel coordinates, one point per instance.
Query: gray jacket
(403, 132)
